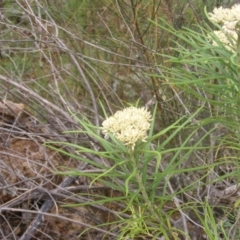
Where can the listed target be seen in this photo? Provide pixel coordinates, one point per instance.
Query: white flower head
(224, 38)
(129, 125)
(222, 15)
(228, 18)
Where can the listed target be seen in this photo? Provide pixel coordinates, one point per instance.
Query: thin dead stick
(41, 100)
(74, 59)
(47, 205)
(63, 218)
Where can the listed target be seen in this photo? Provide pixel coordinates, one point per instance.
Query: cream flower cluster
(224, 38)
(129, 125)
(223, 15)
(228, 18)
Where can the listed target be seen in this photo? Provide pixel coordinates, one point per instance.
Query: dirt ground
(31, 194)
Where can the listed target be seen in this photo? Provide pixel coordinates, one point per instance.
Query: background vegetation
(73, 62)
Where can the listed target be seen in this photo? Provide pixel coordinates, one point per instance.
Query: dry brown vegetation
(56, 59)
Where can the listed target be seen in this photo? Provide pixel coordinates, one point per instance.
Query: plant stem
(238, 60)
(141, 186)
(238, 49)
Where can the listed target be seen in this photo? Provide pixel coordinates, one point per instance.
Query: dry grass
(53, 61)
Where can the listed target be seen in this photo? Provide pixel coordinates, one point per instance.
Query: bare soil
(32, 194)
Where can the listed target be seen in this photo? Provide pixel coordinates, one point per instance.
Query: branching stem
(141, 185)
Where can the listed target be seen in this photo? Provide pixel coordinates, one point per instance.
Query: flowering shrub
(129, 125)
(227, 18)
